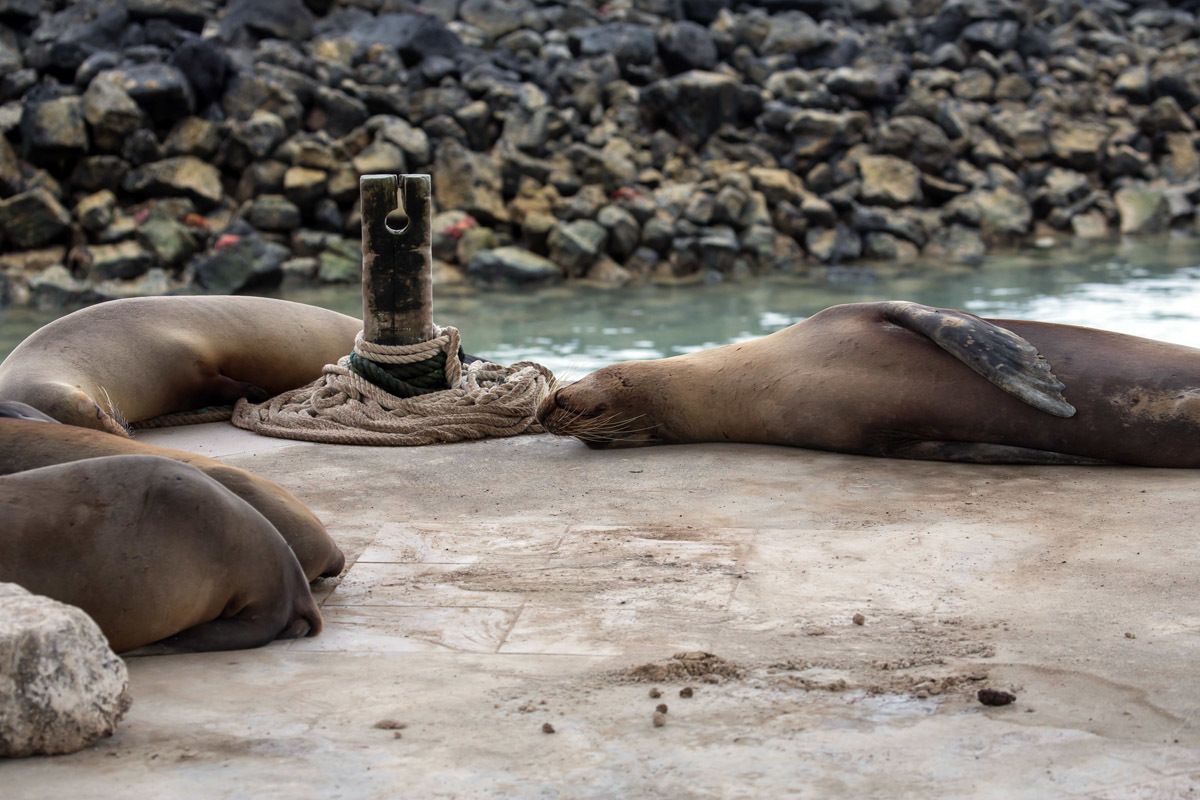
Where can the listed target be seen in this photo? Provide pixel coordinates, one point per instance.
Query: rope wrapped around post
(343, 407)
(404, 383)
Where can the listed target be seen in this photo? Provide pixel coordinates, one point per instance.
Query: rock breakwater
(155, 146)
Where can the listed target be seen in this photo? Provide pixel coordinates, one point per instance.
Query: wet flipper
(221, 634)
(251, 628)
(983, 453)
(999, 355)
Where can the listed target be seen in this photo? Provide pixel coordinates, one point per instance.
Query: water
(1147, 288)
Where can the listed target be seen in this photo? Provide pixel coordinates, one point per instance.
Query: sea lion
(904, 380)
(28, 442)
(153, 550)
(130, 360)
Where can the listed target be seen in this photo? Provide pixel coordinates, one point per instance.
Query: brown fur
(136, 359)
(153, 550)
(848, 380)
(27, 444)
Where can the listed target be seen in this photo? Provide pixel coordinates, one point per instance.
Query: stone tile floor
(497, 586)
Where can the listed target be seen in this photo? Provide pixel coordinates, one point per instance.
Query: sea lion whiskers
(613, 423)
(110, 408)
(604, 430)
(568, 420)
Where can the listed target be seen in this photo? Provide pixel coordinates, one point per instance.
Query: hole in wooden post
(397, 221)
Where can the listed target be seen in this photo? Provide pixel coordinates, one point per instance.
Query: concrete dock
(497, 588)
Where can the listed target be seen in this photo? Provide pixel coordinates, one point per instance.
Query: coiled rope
(380, 395)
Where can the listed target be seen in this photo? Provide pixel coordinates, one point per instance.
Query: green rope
(403, 380)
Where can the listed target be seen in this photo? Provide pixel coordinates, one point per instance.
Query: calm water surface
(1149, 288)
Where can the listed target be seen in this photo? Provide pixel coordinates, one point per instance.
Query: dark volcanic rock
(189, 14)
(512, 264)
(280, 19)
(917, 140)
(24, 9)
(171, 241)
(182, 176)
(336, 112)
(872, 85)
(260, 134)
(53, 131)
(95, 212)
(794, 33)
(704, 11)
(494, 17)
(63, 41)
(575, 246)
(32, 219)
(243, 259)
(816, 132)
(163, 91)
(996, 35)
(205, 66)
(271, 212)
(470, 181)
(692, 105)
(340, 262)
(645, 139)
(16, 82)
(687, 45)
(630, 44)
(111, 112)
(121, 261)
(413, 36)
(99, 172)
(141, 147)
(12, 177)
(249, 92)
(834, 246)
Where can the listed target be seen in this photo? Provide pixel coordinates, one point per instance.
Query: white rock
(61, 686)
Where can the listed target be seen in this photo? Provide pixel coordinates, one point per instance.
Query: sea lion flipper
(1004, 358)
(10, 409)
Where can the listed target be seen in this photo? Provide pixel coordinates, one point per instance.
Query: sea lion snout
(592, 410)
(568, 406)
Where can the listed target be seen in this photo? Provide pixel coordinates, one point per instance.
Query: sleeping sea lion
(905, 380)
(153, 550)
(127, 361)
(28, 442)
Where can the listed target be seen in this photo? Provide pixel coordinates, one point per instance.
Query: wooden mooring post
(397, 277)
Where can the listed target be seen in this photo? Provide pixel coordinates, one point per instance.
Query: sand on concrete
(497, 587)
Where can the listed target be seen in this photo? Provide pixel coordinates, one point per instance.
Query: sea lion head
(73, 406)
(613, 407)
